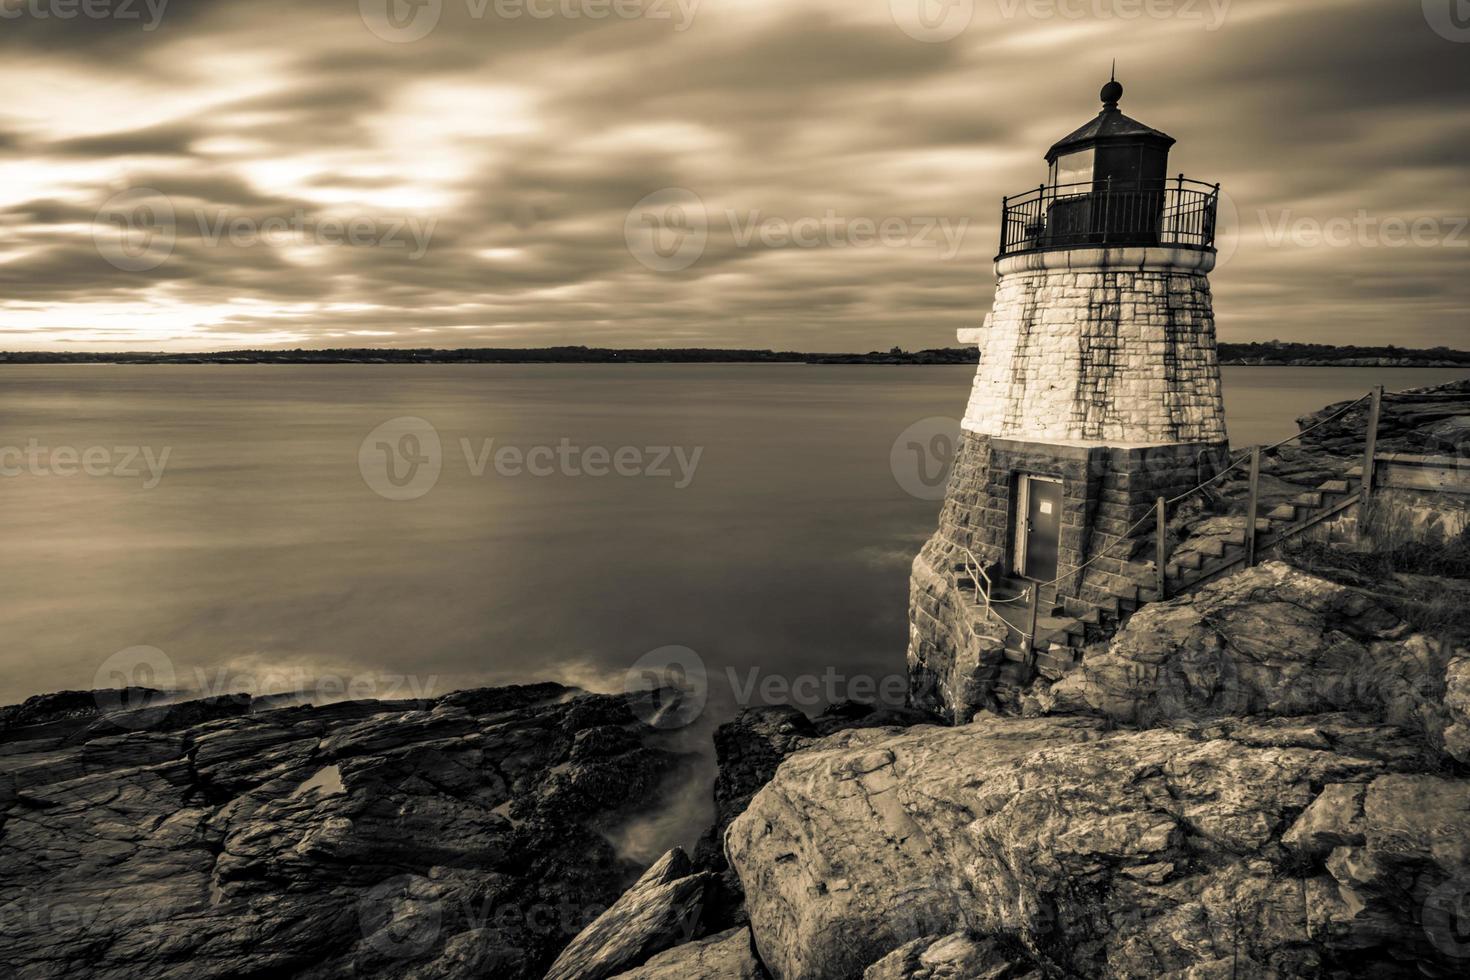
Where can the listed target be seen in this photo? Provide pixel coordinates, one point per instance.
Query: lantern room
(1108, 184)
(1111, 150)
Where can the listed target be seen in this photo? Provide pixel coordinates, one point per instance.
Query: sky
(793, 174)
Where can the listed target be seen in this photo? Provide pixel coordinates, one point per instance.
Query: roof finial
(1113, 91)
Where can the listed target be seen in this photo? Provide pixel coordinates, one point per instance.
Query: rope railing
(1152, 512)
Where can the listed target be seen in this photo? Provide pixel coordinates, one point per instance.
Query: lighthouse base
(1100, 498)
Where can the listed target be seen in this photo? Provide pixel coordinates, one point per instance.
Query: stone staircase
(1067, 625)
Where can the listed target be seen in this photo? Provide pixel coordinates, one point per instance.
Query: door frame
(1023, 507)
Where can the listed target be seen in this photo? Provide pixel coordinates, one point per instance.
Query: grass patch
(1425, 584)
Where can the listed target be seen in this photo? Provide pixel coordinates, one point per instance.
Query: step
(1311, 499)
(1212, 547)
(1334, 486)
(1234, 537)
(1286, 512)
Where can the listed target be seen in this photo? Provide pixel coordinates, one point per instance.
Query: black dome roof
(1107, 126)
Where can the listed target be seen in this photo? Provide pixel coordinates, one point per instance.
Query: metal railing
(1177, 212)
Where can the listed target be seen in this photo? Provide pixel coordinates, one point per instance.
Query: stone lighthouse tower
(1098, 391)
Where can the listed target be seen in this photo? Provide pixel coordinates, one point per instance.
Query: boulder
(725, 956)
(748, 751)
(959, 956)
(1275, 641)
(1231, 849)
(660, 911)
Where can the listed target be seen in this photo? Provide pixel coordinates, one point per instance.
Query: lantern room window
(1073, 168)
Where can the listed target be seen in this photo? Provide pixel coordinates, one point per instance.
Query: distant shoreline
(1231, 355)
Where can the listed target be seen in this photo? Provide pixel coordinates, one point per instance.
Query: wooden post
(1255, 505)
(1370, 453)
(1161, 551)
(1033, 618)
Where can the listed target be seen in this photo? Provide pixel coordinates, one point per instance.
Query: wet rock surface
(460, 836)
(724, 956)
(660, 911)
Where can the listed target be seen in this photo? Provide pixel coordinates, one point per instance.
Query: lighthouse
(1097, 393)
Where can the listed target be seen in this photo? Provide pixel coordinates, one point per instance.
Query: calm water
(262, 558)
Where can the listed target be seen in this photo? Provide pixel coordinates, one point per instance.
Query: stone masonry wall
(1121, 356)
(1106, 491)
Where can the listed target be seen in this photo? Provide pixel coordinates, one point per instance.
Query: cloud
(517, 146)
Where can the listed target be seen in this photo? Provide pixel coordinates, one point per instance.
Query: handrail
(1151, 512)
(1177, 211)
(973, 567)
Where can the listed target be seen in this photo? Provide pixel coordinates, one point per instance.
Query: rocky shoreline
(1267, 777)
(1264, 779)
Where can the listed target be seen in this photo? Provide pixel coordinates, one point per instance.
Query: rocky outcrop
(1275, 641)
(726, 956)
(956, 957)
(748, 751)
(1426, 420)
(145, 837)
(1241, 848)
(660, 911)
